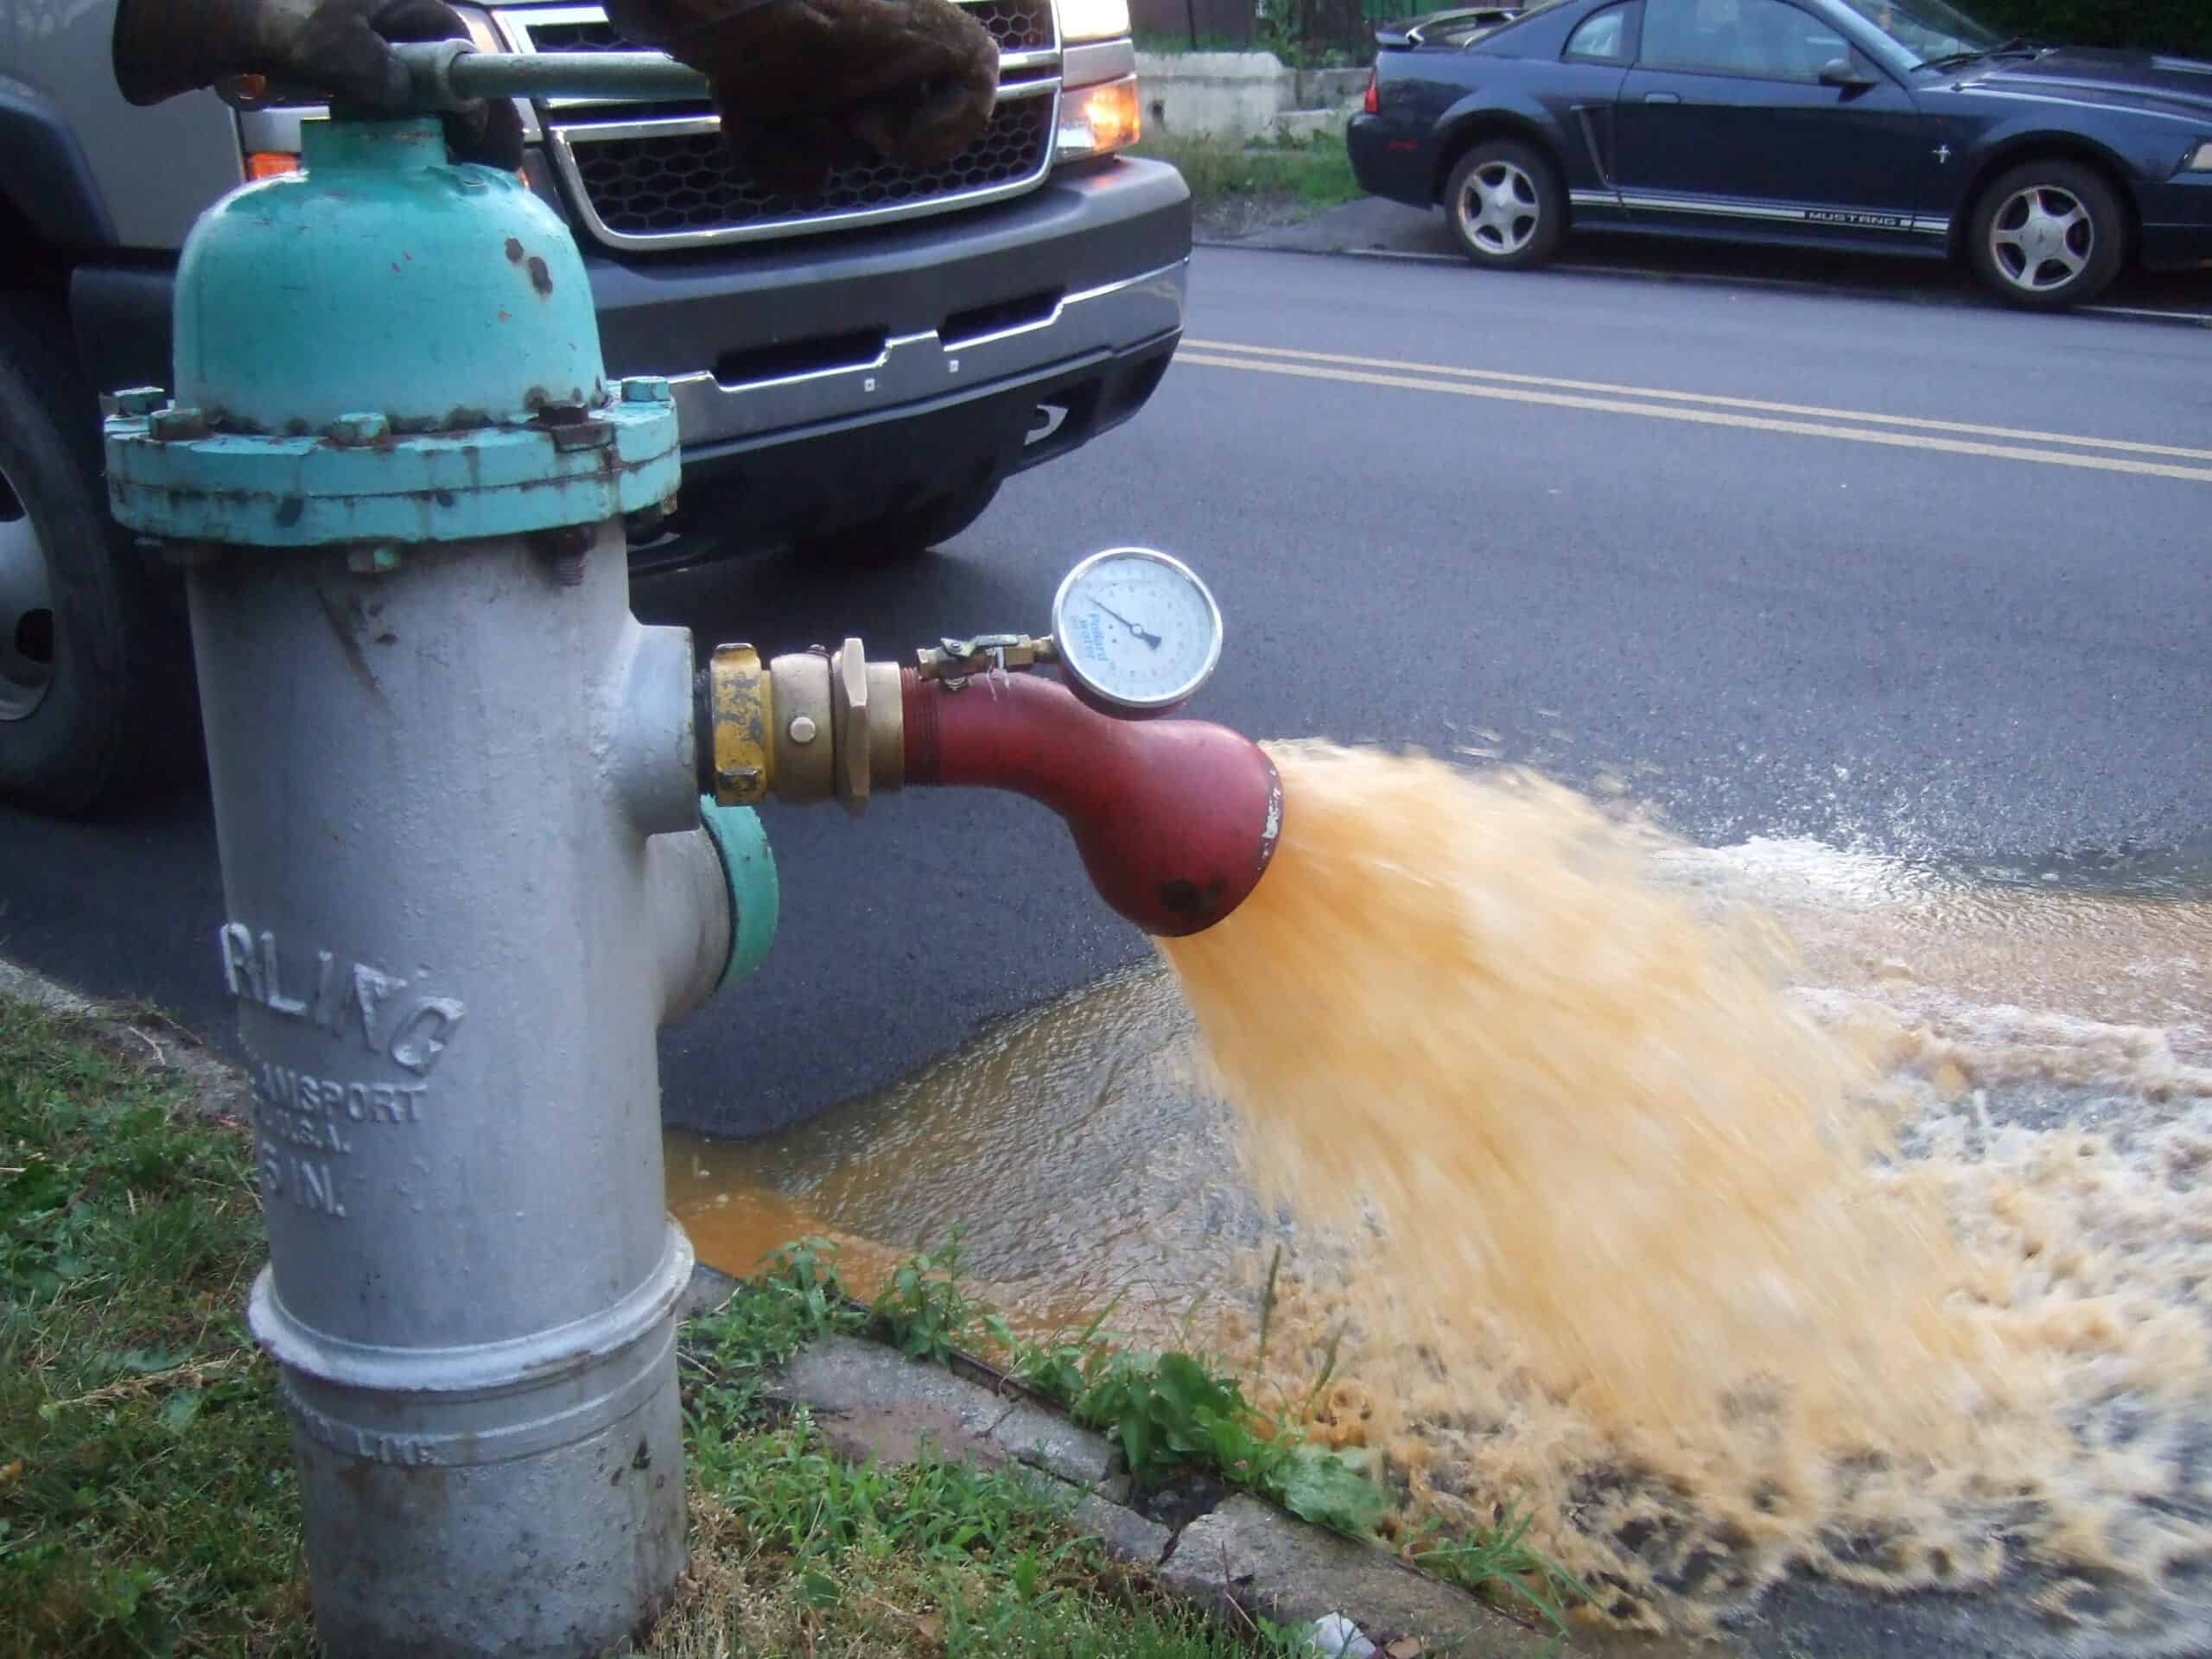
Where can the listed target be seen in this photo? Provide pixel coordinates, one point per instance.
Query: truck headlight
(1099, 120)
(1093, 19)
(2200, 160)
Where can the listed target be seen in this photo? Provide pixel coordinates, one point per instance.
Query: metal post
(454, 788)
(449, 74)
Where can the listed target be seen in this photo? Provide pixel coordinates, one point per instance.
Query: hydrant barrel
(464, 875)
(448, 1000)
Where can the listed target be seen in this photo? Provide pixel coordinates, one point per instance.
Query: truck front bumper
(927, 366)
(824, 382)
(773, 337)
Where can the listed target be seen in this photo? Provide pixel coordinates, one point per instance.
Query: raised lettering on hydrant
(410, 1030)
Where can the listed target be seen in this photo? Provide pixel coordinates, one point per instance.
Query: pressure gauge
(1136, 632)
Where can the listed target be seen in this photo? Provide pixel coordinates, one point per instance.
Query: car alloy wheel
(1499, 209)
(26, 610)
(2048, 234)
(2042, 238)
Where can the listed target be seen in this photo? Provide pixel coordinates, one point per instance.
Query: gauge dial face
(1137, 629)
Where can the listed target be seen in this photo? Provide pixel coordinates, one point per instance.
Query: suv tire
(2048, 234)
(85, 649)
(1506, 205)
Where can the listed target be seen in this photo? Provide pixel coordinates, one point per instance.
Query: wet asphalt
(1990, 649)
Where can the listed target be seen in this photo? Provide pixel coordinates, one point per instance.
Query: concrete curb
(1239, 1558)
(142, 1038)
(1370, 229)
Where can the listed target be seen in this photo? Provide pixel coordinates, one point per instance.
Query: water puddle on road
(1745, 1214)
(1074, 1146)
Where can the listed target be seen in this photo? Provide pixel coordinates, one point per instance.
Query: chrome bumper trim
(914, 367)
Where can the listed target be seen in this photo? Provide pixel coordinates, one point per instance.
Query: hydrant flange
(441, 487)
(385, 348)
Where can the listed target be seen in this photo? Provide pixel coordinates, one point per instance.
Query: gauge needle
(1151, 639)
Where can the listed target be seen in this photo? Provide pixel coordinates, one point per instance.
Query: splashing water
(1722, 1280)
(1735, 1211)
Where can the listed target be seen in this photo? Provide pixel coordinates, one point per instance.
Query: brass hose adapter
(809, 726)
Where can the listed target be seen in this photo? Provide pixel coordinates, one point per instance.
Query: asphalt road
(1951, 599)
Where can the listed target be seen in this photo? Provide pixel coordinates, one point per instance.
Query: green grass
(1313, 175)
(797, 1552)
(1500, 1565)
(147, 1501)
(146, 1494)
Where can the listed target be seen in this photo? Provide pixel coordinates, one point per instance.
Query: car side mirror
(1842, 71)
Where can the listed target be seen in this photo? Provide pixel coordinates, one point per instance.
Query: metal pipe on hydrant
(1175, 820)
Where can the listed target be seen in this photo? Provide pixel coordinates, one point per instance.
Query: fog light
(1098, 120)
(271, 164)
(2200, 160)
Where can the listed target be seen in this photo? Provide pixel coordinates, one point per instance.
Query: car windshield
(1930, 29)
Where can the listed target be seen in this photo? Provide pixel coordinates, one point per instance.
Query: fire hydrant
(465, 873)
(469, 866)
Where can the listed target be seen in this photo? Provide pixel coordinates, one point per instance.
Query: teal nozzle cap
(750, 869)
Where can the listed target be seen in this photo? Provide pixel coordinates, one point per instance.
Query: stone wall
(1243, 96)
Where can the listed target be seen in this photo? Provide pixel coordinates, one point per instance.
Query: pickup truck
(856, 371)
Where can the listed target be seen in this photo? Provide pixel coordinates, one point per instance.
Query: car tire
(1506, 205)
(2048, 234)
(898, 536)
(87, 650)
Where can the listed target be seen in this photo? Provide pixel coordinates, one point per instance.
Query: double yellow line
(1699, 409)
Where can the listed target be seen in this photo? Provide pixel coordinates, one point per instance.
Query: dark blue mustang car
(1889, 125)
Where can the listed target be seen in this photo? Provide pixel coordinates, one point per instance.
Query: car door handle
(1663, 98)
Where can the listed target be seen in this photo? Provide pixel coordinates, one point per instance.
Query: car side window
(1601, 37)
(1766, 39)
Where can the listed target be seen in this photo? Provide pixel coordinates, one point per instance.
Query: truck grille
(657, 177)
(1018, 25)
(661, 182)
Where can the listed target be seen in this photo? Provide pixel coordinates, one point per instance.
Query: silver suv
(857, 371)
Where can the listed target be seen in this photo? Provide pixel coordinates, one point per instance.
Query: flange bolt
(354, 430)
(135, 405)
(176, 425)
